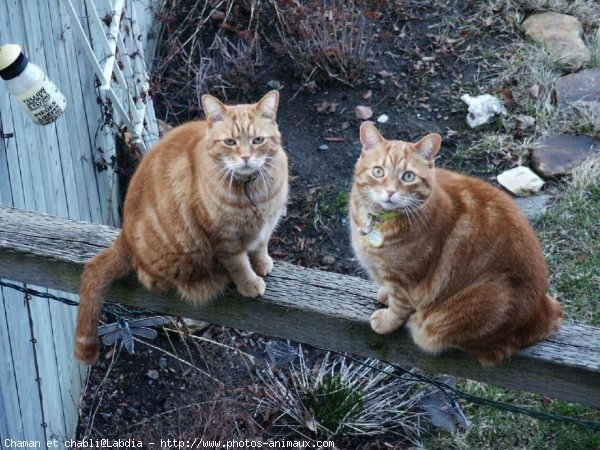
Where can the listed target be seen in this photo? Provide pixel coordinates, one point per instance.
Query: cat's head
(242, 138)
(394, 175)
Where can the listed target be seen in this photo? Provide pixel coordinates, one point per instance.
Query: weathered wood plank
(26, 194)
(47, 151)
(89, 110)
(5, 187)
(58, 133)
(319, 308)
(80, 139)
(8, 376)
(75, 188)
(101, 132)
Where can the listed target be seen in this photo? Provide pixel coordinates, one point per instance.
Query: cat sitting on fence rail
(198, 214)
(454, 257)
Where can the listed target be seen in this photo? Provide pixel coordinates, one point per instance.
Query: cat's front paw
(383, 295)
(384, 321)
(263, 266)
(252, 288)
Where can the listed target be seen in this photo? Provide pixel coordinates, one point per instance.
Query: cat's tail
(555, 314)
(99, 273)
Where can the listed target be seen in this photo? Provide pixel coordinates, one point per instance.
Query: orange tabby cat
(199, 213)
(453, 256)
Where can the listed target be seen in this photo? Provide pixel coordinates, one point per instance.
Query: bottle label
(44, 103)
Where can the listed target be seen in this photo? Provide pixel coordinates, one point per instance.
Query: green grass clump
(333, 403)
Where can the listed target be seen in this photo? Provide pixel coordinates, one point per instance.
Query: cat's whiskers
(261, 174)
(231, 173)
(406, 212)
(220, 175)
(413, 207)
(367, 201)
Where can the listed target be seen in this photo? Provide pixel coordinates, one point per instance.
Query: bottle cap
(12, 61)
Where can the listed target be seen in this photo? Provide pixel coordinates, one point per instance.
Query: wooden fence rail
(309, 306)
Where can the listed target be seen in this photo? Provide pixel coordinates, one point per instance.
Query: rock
(521, 181)
(482, 108)
(163, 363)
(383, 118)
(274, 84)
(533, 207)
(580, 87)
(152, 374)
(328, 260)
(561, 153)
(363, 112)
(561, 34)
(323, 147)
(524, 122)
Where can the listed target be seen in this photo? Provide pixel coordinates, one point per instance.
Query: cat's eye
(378, 172)
(229, 142)
(408, 176)
(258, 140)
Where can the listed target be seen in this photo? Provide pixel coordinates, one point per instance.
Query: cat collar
(371, 230)
(246, 183)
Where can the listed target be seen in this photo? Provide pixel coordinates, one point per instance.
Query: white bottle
(27, 83)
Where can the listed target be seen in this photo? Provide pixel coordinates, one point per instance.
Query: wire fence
(119, 312)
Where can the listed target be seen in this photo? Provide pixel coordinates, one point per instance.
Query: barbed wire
(119, 311)
(111, 308)
(453, 394)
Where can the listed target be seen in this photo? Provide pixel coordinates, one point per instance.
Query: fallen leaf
(345, 125)
(373, 15)
(363, 112)
(326, 107)
(227, 27)
(384, 74)
(311, 423)
(507, 96)
(534, 90)
(367, 95)
(451, 133)
(217, 15)
(524, 122)
(335, 139)
(246, 35)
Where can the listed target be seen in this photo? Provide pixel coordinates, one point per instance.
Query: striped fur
(460, 265)
(198, 214)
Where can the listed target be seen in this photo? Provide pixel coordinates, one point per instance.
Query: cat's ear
(214, 110)
(370, 137)
(429, 146)
(267, 106)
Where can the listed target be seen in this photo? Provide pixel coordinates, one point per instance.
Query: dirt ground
(422, 58)
(416, 73)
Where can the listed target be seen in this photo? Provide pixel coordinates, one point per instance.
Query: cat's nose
(390, 194)
(246, 158)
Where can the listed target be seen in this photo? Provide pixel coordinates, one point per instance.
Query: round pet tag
(375, 238)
